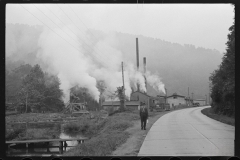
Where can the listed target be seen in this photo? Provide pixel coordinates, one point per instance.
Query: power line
(53, 22)
(55, 32)
(79, 30)
(72, 32)
(49, 27)
(64, 24)
(82, 22)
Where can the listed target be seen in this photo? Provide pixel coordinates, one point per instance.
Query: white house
(175, 100)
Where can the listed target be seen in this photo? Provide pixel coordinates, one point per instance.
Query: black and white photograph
(133, 79)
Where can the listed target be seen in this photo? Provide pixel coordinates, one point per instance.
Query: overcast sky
(202, 25)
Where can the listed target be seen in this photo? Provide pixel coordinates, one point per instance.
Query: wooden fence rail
(30, 143)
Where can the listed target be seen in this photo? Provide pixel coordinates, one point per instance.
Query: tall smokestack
(137, 60)
(144, 70)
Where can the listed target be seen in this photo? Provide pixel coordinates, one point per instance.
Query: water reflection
(41, 149)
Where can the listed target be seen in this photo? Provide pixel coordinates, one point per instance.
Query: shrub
(14, 133)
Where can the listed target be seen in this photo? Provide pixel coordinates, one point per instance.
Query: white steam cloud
(155, 82)
(77, 64)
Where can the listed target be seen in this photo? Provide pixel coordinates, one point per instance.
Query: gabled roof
(177, 95)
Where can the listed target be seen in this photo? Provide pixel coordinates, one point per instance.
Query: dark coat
(144, 112)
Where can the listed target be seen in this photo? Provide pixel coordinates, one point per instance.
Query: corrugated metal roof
(117, 103)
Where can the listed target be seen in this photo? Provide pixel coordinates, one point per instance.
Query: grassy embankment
(222, 118)
(109, 135)
(105, 134)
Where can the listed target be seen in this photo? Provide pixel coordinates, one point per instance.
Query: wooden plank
(45, 140)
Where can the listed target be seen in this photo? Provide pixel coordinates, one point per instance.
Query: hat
(142, 103)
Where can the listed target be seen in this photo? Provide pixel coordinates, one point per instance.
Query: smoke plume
(78, 60)
(155, 82)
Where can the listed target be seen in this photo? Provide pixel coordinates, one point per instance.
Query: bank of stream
(41, 149)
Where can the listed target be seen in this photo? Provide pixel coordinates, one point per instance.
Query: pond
(41, 149)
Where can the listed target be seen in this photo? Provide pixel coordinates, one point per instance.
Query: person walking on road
(143, 115)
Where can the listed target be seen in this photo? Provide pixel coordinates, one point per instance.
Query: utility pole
(209, 92)
(166, 94)
(137, 52)
(123, 87)
(206, 99)
(192, 96)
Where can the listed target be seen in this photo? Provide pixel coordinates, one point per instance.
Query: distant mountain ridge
(179, 66)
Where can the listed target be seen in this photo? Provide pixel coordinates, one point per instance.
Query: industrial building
(148, 100)
(175, 100)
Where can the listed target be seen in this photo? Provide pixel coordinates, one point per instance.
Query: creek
(40, 149)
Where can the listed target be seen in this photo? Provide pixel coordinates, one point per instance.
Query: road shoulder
(133, 144)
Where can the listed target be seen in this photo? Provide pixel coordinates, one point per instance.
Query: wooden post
(7, 148)
(31, 147)
(48, 151)
(65, 145)
(123, 87)
(26, 128)
(26, 148)
(60, 147)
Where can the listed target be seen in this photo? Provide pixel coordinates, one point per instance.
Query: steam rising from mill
(77, 59)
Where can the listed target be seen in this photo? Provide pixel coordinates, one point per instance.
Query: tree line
(223, 80)
(30, 89)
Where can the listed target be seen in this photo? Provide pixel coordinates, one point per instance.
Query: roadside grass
(105, 135)
(222, 118)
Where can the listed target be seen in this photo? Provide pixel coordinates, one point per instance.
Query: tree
(101, 87)
(52, 94)
(32, 89)
(223, 79)
(120, 94)
(14, 81)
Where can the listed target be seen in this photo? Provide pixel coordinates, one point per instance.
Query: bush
(82, 126)
(39, 134)
(12, 134)
(219, 117)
